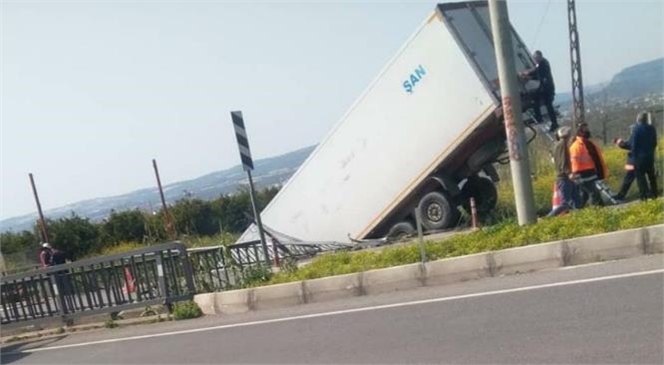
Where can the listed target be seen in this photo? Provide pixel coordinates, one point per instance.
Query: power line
(539, 27)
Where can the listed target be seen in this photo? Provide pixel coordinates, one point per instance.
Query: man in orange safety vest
(588, 166)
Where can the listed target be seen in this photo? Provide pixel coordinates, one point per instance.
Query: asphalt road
(604, 313)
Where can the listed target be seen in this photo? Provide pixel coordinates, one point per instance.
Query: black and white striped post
(248, 165)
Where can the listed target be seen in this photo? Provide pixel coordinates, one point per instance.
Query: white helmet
(46, 245)
(564, 132)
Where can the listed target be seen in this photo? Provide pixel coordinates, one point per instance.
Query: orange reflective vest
(581, 159)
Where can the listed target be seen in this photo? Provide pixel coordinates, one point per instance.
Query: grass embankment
(505, 232)
(509, 234)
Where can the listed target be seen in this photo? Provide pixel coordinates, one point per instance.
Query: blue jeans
(568, 194)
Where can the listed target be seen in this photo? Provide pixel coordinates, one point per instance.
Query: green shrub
(186, 310)
(117, 248)
(255, 275)
(206, 241)
(110, 323)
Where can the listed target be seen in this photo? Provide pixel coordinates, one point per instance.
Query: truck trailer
(426, 134)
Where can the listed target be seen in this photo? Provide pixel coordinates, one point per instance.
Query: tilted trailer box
(425, 135)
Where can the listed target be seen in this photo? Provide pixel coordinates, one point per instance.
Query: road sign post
(248, 166)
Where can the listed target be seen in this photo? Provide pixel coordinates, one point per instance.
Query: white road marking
(346, 311)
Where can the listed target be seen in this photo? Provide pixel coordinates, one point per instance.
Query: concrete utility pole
(170, 226)
(512, 111)
(43, 229)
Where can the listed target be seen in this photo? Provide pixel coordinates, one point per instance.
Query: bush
(120, 248)
(220, 239)
(255, 275)
(110, 323)
(508, 234)
(186, 310)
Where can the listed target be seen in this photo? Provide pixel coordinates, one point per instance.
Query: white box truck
(425, 134)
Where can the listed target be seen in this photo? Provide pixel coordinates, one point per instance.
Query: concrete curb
(392, 279)
(278, 296)
(457, 269)
(609, 246)
(582, 250)
(333, 288)
(61, 331)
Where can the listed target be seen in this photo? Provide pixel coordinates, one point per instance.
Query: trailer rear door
(470, 23)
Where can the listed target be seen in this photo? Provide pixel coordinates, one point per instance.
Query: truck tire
(437, 212)
(401, 230)
(483, 190)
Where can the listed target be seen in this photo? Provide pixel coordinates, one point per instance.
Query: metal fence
(230, 267)
(159, 274)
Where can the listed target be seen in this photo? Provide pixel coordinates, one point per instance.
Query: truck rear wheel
(437, 212)
(483, 190)
(401, 230)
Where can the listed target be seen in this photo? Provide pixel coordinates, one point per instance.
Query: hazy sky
(91, 91)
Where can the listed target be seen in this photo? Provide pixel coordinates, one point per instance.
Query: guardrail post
(161, 279)
(186, 269)
(58, 292)
(418, 223)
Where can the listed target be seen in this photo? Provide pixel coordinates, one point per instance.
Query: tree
(74, 235)
(194, 217)
(123, 226)
(17, 242)
(231, 210)
(266, 195)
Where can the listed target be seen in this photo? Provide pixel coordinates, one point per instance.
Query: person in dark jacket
(546, 91)
(565, 193)
(630, 174)
(643, 143)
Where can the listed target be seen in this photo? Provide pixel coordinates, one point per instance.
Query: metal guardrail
(230, 267)
(159, 274)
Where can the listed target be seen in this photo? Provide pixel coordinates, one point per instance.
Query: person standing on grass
(565, 195)
(630, 174)
(588, 166)
(643, 143)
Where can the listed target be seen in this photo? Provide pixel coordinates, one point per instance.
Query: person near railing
(45, 255)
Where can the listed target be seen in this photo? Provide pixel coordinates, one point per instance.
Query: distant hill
(268, 172)
(643, 78)
(632, 82)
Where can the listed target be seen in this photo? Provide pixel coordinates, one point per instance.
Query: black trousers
(546, 98)
(646, 167)
(588, 189)
(630, 175)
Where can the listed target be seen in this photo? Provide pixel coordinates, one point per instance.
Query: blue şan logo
(414, 78)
